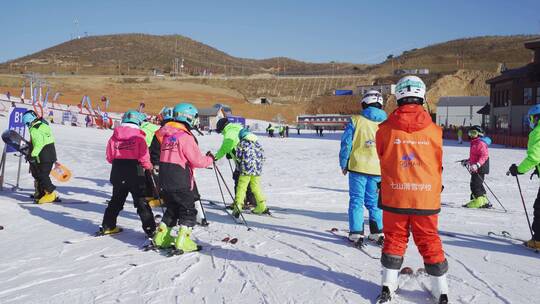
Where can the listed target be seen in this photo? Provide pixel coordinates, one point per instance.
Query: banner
(16, 124)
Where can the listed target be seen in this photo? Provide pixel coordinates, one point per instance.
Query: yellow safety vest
(364, 158)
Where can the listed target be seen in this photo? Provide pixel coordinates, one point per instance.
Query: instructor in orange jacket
(409, 146)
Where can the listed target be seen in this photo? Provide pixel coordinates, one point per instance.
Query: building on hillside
(513, 92)
(227, 109)
(209, 117)
(325, 121)
(461, 111)
(385, 89)
(411, 72)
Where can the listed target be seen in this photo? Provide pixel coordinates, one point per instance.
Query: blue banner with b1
(16, 123)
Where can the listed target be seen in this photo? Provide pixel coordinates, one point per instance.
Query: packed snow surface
(289, 258)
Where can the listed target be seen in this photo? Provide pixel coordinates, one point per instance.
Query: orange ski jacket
(409, 146)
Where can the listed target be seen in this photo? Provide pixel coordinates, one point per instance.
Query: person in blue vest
(358, 157)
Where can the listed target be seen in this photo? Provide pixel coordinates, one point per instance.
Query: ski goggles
(473, 133)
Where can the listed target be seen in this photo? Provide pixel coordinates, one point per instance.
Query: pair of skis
(507, 236)
(405, 275)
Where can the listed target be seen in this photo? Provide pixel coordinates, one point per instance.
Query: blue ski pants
(363, 191)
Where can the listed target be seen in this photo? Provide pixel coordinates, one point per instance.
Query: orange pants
(396, 228)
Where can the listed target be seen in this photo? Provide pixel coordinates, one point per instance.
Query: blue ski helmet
(134, 117)
(29, 117)
(187, 113)
(534, 111)
(167, 114)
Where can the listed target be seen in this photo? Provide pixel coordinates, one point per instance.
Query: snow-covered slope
(287, 259)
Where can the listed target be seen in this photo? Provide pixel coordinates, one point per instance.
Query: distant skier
(250, 158)
(532, 161)
(180, 155)
(460, 135)
(231, 132)
(41, 158)
(128, 154)
(358, 156)
(478, 166)
(269, 130)
(409, 146)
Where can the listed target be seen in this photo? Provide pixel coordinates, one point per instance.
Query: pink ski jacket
(128, 143)
(180, 154)
(479, 151)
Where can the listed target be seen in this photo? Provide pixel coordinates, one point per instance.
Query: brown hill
(480, 53)
(138, 54)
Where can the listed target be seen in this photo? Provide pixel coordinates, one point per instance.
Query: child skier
(478, 166)
(358, 156)
(180, 155)
(231, 138)
(128, 154)
(532, 161)
(409, 146)
(41, 158)
(250, 157)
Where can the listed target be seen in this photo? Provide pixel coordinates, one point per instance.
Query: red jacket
(409, 146)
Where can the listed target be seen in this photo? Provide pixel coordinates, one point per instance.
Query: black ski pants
(180, 208)
(536, 219)
(116, 204)
(41, 173)
(250, 198)
(477, 185)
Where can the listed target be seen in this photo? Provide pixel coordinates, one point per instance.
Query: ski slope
(287, 259)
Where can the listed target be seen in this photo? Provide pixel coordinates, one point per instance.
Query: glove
(228, 156)
(31, 160)
(211, 155)
(155, 170)
(344, 171)
(464, 162)
(535, 173)
(514, 170)
(473, 168)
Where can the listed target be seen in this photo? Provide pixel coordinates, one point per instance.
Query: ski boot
(377, 238)
(154, 202)
(389, 285)
(260, 208)
(533, 244)
(162, 238)
(478, 202)
(183, 241)
(237, 209)
(48, 197)
(439, 288)
(355, 236)
(108, 231)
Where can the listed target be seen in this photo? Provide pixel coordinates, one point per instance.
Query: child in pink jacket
(180, 155)
(478, 166)
(128, 153)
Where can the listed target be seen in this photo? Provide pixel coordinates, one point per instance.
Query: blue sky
(358, 31)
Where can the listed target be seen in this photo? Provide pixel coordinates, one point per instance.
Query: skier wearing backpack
(41, 158)
(532, 161)
(409, 146)
(128, 153)
(478, 166)
(358, 157)
(250, 158)
(180, 155)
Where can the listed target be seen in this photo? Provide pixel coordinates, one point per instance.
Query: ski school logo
(409, 161)
(170, 143)
(397, 141)
(125, 145)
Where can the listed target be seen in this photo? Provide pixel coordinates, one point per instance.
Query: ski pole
(492, 193)
(230, 166)
(216, 168)
(524, 207)
(155, 189)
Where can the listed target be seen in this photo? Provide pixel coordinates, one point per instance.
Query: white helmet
(372, 97)
(410, 86)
